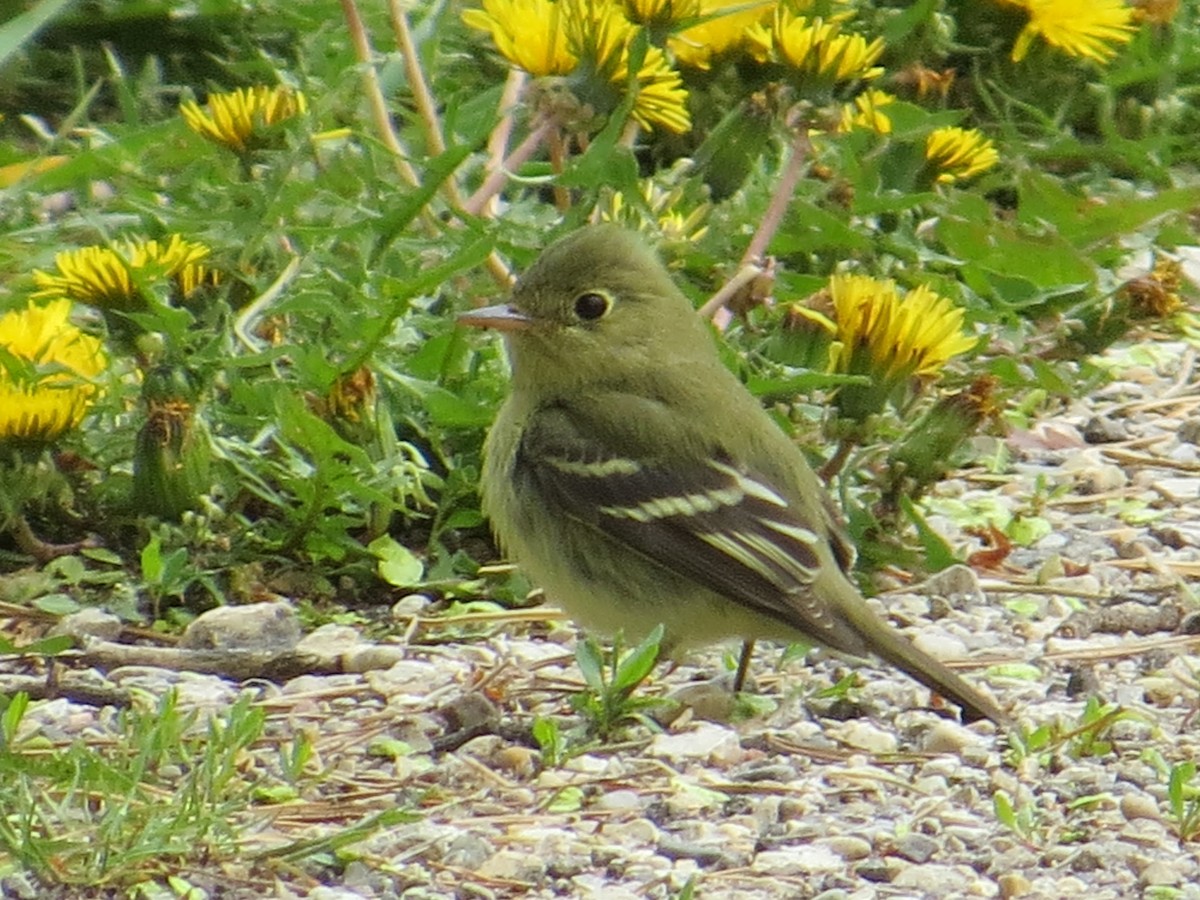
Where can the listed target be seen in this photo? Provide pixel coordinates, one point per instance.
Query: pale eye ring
(592, 305)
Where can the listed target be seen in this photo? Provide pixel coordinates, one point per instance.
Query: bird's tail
(895, 648)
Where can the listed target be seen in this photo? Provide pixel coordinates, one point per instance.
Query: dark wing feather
(709, 520)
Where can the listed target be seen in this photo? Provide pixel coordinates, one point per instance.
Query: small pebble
(1160, 872)
(1189, 430)
(89, 623)
(916, 847)
(518, 761)
(702, 741)
(810, 859)
(633, 832)
(328, 642)
(948, 737)
(940, 645)
(1101, 479)
(1013, 885)
(513, 865)
(707, 855)
(847, 846)
(1103, 430)
(468, 851)
(1139, 805)
(620, 800)
(863, 735)
(957, 583)
(410, 605)
(256, 626)
(878, 871)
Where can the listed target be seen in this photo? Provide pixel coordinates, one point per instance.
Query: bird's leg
(743, 668)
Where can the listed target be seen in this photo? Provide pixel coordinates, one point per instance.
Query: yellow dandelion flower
(866, 112)
(238, 119)
(889, 337)
(661, 99)
(600, 35)
(46, 371)
(661, 13)
(816, 47)
(1088, 29)
(588, 39)
(958, 153)
(114, 277)
(530, 34)
(722, 28)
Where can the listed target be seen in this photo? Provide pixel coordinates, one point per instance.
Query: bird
(637, 481)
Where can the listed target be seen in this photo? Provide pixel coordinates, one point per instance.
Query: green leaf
(435, 172)
(397, 565)
(102, 555)
(1181, 774)
(801, 383)
(14, 712)
(938, 553)
(152, 561)
(1017, 671)
(1005, 814)
(1082, 221)
(57, 604)
(906, 22)
(809, 228)
(20, 29)
(569, 799)
(450, 410)
(550, 740)
(1027, 530)
(49, 646)
(639, 662)
(590, 659)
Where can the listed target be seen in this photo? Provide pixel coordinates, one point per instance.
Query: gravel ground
(895, 800)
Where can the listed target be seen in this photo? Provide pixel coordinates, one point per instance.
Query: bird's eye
(591, 305)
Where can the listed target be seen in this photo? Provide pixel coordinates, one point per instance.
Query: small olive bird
(638, 482)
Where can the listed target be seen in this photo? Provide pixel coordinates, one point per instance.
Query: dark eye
(590, 305)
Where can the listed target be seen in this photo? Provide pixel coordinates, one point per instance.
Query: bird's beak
(501, 317)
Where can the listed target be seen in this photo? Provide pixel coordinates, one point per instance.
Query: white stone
(703, 740)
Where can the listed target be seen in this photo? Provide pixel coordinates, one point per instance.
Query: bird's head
(597, 305)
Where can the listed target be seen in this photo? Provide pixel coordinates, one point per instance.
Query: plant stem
(776, 209)
(558, 161)
(422, 96)
(497, 178)
(746, 274)
(379, 111)
(752, 260)
(835, 463)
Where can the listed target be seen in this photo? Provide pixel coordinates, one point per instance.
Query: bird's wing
(709, 519)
